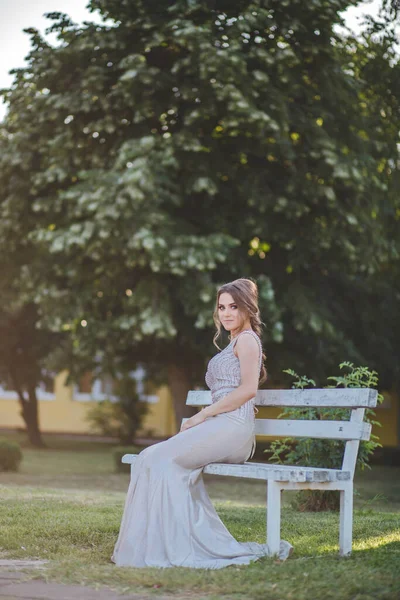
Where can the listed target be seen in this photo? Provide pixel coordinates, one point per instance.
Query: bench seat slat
(324, 398)
(277, 472)
(267, 472)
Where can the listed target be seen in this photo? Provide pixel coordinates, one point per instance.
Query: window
(44, 391)
(85, 383)
(92, 389)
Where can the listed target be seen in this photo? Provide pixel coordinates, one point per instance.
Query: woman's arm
(248, 353)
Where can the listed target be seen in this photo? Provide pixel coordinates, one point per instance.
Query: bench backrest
(351, 431)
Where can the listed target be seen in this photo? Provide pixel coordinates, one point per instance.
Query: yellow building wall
(388, 415)
(160, 420)
(65, 414)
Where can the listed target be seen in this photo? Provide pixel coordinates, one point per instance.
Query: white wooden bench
(285, 477)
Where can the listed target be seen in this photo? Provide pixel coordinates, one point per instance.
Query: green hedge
(10, 455)
(119, 452)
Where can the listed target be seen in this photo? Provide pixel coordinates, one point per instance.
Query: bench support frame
(345, 489)
(273, 516)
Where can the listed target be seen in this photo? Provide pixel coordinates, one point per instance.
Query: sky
(16, 15)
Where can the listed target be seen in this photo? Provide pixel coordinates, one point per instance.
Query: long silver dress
(169, 520)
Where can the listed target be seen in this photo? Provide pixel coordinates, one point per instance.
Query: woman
(169, 519)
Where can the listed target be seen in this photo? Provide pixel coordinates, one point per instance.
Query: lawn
(66, 502)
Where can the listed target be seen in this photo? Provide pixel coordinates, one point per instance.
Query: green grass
(66, 504)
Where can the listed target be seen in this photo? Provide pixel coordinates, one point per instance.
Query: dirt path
(16, 583)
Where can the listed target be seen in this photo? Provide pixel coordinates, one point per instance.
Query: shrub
(10, 456)
(119, 452)
(120, 419)
(106, 418)
(325, 453)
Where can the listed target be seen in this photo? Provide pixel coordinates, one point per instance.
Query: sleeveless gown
(169, 519)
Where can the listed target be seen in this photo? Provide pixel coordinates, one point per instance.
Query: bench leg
(273, 517)
(346, 520)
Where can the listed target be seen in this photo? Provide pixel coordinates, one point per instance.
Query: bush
(10, 456)
(119, 452)
(120, 419)
(311, 452)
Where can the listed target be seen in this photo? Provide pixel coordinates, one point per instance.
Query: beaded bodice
(223, 373)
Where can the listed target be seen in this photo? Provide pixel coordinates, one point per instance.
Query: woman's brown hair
(245, 294)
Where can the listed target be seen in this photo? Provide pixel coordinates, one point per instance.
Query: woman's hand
(193, 421)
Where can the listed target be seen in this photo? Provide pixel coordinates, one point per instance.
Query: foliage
(374, 57)
(310, 452)
(10, 455)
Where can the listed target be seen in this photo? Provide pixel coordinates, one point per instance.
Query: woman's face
(228, 312)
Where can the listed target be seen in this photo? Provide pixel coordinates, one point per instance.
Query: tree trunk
(30, 415)
(180, 383)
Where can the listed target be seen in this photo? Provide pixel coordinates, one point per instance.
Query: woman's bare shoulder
(247, 344)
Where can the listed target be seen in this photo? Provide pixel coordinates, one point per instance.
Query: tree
(24, 346)
(182, 146)
(374, 303)
(23, 349)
